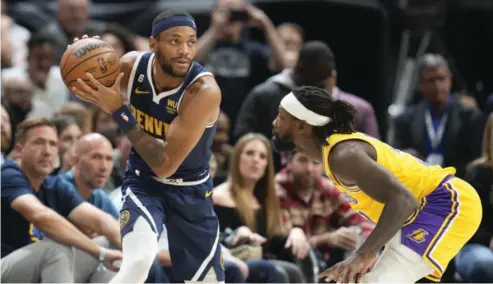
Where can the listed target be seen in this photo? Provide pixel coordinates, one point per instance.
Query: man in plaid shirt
(311, 202)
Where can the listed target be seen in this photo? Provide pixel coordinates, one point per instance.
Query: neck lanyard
(435, 136)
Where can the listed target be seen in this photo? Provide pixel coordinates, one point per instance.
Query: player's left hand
(298, 243)
(351, 269)
(109, 99)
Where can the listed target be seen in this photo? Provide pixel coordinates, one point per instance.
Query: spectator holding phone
(237, 62)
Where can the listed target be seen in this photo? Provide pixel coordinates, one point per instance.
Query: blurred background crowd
(406, 65)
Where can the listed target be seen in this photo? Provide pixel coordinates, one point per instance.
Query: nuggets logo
(418, 236)
(124, 217)
(102, 65)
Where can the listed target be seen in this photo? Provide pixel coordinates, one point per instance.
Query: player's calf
(139, 251)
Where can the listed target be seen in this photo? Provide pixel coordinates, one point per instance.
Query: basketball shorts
(187, 212)
(445, 221)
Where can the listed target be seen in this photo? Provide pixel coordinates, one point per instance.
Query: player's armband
(124, 118)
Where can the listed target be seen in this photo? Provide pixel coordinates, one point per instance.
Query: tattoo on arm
(149, 148)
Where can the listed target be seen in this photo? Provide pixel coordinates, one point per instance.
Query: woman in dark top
(248, 205)
(475, 261)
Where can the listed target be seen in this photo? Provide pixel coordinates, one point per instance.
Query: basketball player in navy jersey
(171, 121)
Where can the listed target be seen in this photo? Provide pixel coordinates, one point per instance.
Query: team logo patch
(349, 198)
(124, 217)
(171, 106)
(418, 236)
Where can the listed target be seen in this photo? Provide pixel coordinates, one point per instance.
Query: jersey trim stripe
(141, 207)
(208, 259)
(131, 79)
(454, 196)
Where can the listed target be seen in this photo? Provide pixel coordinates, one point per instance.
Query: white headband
(291, 104)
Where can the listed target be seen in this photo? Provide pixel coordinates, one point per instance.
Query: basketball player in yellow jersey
(423, 214)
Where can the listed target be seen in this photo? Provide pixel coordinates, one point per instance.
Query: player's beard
(166, 66)
(282, 143)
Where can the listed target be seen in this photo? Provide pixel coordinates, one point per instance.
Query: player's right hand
(345, 238)
(111, 257)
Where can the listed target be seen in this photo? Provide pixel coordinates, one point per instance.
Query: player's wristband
(102, 253)
(124, 118)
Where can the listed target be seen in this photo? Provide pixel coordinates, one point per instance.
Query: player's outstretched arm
(350, 161)
(184, 131)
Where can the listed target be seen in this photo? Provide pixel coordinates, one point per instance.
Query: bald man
(92, 163)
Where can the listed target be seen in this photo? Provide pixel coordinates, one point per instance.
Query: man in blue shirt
(41, 216)
(92, 164)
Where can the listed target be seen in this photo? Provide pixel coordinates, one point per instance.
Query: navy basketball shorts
(188, 214)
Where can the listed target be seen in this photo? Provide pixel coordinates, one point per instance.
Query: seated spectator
(247, 205)
(315, 67)
(102, 121)
(93, 161)
(119, 38)
(17, 99)
(80, 113)
(235, 270)
(221, 148)
(6, 133)
(440, 130)
(42, 71)
(474, 263)
(14, 38)
(44, 216)
(311, 202)
(72, 20)
(68, 133)
(120, 158)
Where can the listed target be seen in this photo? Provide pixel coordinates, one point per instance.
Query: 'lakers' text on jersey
(154, 113)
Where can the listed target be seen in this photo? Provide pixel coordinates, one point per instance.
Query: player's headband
(171, 22)
(291, 104)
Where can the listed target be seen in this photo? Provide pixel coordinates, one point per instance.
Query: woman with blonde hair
(475, 260)
(249, 210)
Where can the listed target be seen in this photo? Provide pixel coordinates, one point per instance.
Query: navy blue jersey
(54, 192)
(155, 112)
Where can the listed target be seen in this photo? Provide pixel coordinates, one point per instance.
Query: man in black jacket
(439, 129)
(315, 64)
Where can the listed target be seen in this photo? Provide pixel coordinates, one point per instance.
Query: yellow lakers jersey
(417, 176)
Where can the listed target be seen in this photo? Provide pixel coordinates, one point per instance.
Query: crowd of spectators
(70, 157)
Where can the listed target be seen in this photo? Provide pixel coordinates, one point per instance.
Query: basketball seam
(78, 64)
(68, 83)
(71, 52)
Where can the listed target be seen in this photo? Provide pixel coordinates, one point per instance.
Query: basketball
(89, 55)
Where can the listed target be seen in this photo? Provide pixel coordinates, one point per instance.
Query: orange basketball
(93, 56)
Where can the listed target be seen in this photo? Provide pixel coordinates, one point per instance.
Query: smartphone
(238, 16)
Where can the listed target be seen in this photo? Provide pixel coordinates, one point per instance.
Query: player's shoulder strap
(139, 70)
